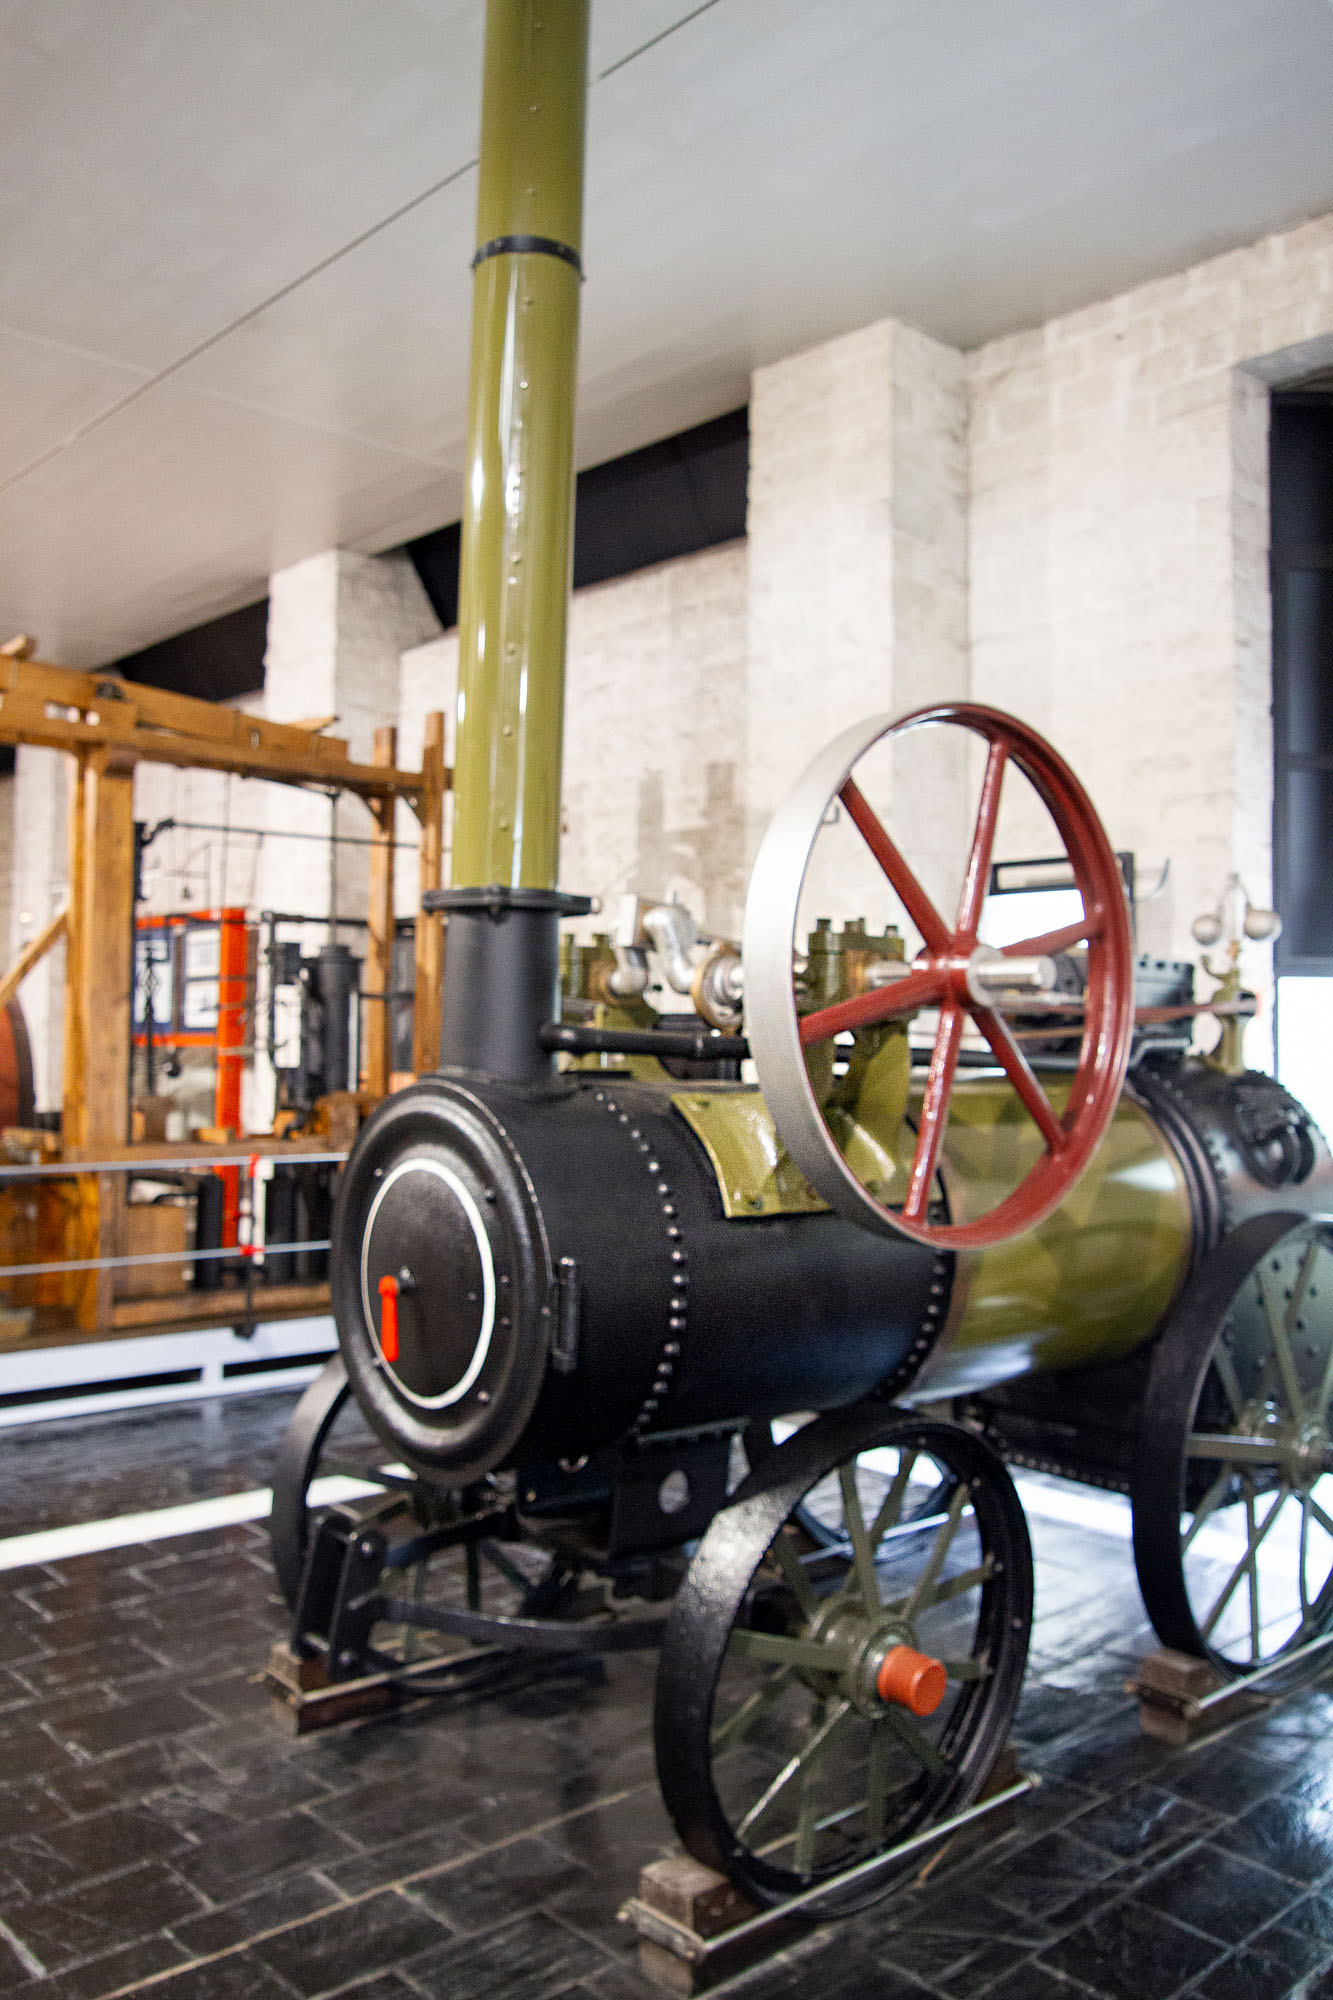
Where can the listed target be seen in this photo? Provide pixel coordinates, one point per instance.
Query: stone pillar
(858, 579)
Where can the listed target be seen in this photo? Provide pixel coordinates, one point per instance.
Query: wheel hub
(1305, 1458)
(878, 1662)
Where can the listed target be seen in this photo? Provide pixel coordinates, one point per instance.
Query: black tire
(741, 1593)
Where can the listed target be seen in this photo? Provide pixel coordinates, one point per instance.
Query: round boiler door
(425, 1231)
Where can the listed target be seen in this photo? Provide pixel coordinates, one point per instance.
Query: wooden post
(97, 1083)
(430, 928)
(75, 1042)
(379, 952)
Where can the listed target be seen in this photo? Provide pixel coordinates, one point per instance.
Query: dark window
(670, 499)
(216, 661)
(1301, 473)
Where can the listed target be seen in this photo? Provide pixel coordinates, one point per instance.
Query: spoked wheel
(822, 1696)
(1233, 1485)
(329, 1456)
(953, 973)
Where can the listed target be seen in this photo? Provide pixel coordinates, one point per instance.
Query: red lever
(389, 1317)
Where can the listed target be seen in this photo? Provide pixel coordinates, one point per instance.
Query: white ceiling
(234, 239)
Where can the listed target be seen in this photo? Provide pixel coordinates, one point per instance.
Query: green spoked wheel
(1233, 1485)
(842, 1663)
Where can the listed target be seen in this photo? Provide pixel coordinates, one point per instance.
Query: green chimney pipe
(518, 507)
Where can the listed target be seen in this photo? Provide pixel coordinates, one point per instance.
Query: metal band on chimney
(528, 246)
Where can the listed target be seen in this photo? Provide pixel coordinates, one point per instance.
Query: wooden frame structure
(108, 726)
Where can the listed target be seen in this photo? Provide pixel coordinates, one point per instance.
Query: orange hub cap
(912, 1679)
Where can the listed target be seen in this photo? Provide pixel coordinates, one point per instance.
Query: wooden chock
(681, 1904)
(1181, 1698)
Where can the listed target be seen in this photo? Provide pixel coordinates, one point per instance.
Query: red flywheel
(953, 973)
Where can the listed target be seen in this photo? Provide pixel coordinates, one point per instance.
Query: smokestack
(504, 908)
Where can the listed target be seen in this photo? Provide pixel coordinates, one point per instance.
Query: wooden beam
(32, 953)
(430, 927)
(379, 950)
(62, 709)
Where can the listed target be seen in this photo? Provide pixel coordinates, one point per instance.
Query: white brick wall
(857, 541)
(1119, 525)
(655, 755)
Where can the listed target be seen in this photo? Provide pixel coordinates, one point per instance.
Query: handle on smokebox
(388, 1289)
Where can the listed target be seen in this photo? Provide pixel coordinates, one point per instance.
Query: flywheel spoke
(977, 876)
(1325, 1523)
(934, 1110)
(1051, 942)
(1023, 1077)
(912, 896)
(920, 988)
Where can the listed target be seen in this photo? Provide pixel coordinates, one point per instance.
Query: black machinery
(636, 1351)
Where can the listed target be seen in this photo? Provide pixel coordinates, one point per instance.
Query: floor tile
(90, 1918)
(1267, 1967)
(376, 1935)
(282, 1902)
(1145, 1821)
(1287, 1833)
(479, 1894)
(240, 1977)
(1048, 1873)
(112, 1971)
(226, 1865)
(1113, 1953)
(523, 1960)
(1220, 1894)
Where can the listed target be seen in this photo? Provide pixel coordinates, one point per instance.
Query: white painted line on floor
(1076, 1507)
(124, 1530)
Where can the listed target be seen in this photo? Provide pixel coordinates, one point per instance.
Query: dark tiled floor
(160, 1835)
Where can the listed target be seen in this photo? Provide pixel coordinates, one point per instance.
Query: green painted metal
(755, 1174)
(518, 502)
(1095, 1280)
(1090, 1285)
